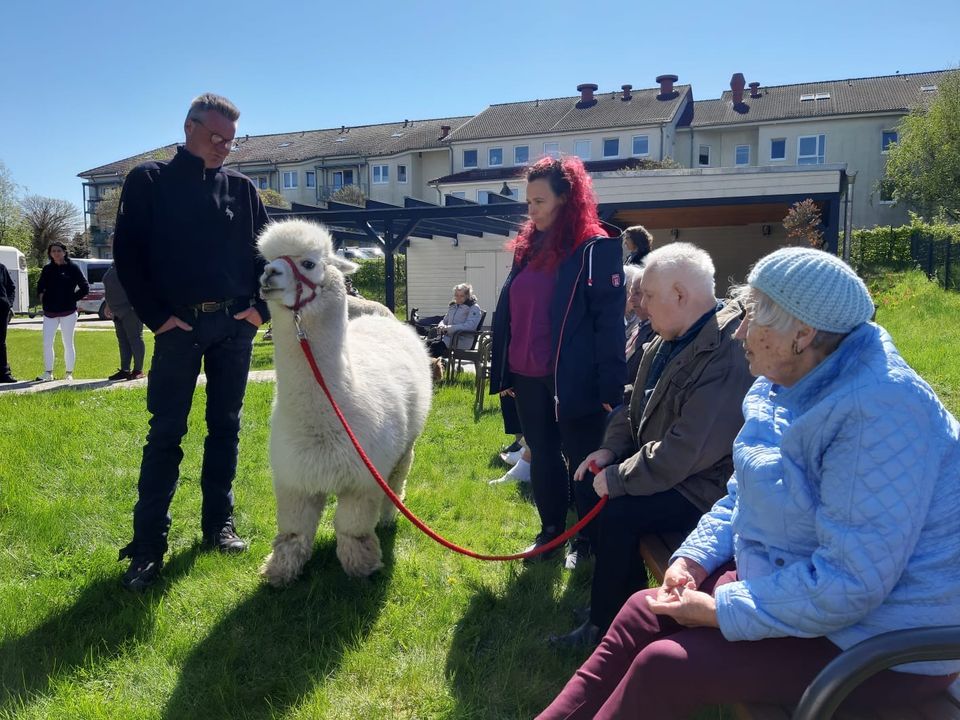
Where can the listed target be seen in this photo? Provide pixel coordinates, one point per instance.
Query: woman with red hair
(558, 339)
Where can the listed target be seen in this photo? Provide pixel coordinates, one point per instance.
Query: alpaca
(377, 370)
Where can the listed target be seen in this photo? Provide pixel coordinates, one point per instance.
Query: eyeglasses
(215, 138)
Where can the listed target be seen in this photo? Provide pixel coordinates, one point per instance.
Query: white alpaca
(378, 372)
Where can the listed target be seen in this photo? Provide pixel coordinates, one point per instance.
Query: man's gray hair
(217, 103)
(763, 310)
(693, 263)
(633, 273)
(467, 288)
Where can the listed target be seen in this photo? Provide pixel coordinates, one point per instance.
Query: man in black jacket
(185, 251)
(7, 298)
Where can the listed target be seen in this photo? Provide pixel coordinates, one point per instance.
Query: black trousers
(556, 450)
(4, 317)
(224, 346)
(129, 331)
(619, 571)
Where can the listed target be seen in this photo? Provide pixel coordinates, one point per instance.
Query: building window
(886, 192)
(811, 149)
(641, 145)
(259, 182)
(469, 158)
(401, 173)
(611, 147)
(521, 154)
(311, 179)
(381, 174)
(742, 155)
(551, 149)
(459, 195)
(289, 179)
(342, 178)
(581, 148)
(483, 197)
(886, 138)
(495, 156)
(778, 149)
(703, 158)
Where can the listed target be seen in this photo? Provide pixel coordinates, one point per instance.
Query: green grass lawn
(433, 635)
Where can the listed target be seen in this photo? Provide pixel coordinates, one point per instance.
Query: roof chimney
(666, 87)
(586, 91)
(444, 131)
(626, 92)
(737, 83)
(754, 89)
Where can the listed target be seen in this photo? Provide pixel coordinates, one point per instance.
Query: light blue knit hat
(817, 288)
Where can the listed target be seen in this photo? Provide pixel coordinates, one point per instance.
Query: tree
(80, 245)
(13, 229)
(106, 215)
(923, 166)
(803, 223)
(50, 220)
(350, 194)
(272, 198)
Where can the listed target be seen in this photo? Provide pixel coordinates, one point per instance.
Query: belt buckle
(209, 307)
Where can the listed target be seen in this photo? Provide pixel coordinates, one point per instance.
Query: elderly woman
(841, 520)
(463, 315)
(636, 321)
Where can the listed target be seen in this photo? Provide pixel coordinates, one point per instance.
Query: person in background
(8, 295)
(463, 316)
(839, 522)
(639, 331)
(128, 327)
(558, 340)
(637, 243)
(60, 285)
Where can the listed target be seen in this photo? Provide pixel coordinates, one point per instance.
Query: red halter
(301, 281)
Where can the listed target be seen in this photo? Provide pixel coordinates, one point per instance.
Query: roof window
(928, 88)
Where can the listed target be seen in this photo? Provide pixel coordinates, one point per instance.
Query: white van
(93, 270)
(16, 264)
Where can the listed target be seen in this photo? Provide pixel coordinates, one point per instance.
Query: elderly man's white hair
(691, 263)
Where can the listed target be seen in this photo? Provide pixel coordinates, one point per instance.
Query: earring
(797, 350)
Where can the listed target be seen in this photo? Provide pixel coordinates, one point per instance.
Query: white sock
(520, 471)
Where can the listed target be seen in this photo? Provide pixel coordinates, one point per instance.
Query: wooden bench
(656, 549)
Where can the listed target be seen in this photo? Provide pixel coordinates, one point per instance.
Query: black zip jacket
(187, 235)
(61, 287)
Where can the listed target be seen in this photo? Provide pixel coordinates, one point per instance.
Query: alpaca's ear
(343, 265)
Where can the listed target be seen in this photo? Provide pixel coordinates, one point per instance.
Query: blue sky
(87, 83)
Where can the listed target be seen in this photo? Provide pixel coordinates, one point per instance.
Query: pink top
(531, 345)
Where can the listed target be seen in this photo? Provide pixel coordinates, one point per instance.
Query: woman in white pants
(60, 285)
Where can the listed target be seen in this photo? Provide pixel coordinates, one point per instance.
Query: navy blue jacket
(586, 318)
(187, 235)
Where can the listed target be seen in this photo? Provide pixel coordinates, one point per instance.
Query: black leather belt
(212, 306)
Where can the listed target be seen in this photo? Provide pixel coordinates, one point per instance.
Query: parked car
(16, 264)
(93, 270)
(360, 253)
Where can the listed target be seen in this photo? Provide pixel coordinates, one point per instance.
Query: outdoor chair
(471, 354)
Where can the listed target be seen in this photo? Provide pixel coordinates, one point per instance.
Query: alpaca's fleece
(378, 372)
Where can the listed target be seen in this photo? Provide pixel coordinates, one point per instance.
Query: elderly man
(666, 456)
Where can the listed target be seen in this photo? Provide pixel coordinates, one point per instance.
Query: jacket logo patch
(615, 280)
(229, 213)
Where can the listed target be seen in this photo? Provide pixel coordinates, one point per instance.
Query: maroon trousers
(650, 666)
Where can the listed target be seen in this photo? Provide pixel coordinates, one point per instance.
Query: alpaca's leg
(297, 517)
(397, 482)
(358, 547)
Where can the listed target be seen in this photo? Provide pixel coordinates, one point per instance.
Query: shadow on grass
(100, 622)
(270, 651)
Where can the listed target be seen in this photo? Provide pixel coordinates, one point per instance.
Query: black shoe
(512, 447)
(120, 375)
(581, 614)
(586, 637)
(7, 379)
(579, 551)
(142, 573)
(543, 538)
(225, 540)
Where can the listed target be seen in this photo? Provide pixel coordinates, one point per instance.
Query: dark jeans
(224, 345)
(619, 569)
(550, 442)
(4, 315)
(129, 331)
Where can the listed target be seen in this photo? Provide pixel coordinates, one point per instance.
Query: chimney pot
(754, 89)
(666, 86)
(586, 91)
(626, 92)
(737, 83)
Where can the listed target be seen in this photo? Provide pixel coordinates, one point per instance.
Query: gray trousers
(130, 337)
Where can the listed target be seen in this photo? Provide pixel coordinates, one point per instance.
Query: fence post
(946, 270)
(931, 272)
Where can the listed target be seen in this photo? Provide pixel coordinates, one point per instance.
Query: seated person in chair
(462, 316)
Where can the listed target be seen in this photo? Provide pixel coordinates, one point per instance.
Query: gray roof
(888, 93)
(539, 117)
(363, 141)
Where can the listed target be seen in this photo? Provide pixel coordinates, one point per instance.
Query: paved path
(33, 386)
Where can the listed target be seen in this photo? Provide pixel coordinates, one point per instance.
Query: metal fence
(901, 248)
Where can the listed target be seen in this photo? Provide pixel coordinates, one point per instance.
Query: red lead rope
(399, 503)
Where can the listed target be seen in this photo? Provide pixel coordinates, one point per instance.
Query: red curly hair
(576, 222)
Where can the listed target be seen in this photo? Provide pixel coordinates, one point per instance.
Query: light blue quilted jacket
(843, 513)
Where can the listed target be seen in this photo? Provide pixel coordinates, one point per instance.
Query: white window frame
(380, 174)
(633, 145)
(402, 176)
(778, 159)
(604, 147)
(290, 179)
(483, 197)
(578, 145)
(551, 149)
(476, 155)
(736, 156)
(521, 162)
(310, 179)
(700, 155)
(490, 162)
(883, 134)
(820, 158)
(459, 194)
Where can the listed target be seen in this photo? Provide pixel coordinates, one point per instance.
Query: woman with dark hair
(637, 243)
(60, 285)
(558, 339)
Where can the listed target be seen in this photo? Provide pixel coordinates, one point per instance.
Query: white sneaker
(68, 377)
(511, 458)
(46, 377)
(519, 473)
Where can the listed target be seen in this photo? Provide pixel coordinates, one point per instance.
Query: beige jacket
(685, 436)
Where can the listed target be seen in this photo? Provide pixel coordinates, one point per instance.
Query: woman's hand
(251, 315)
(683, 572)
(600, 458)
(508, 391)
(689, 607)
